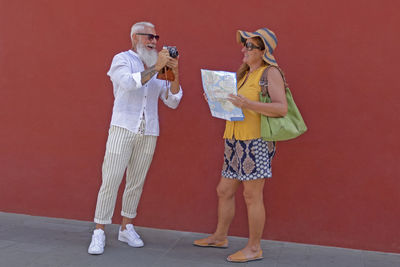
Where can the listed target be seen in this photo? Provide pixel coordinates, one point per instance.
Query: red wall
(336, 185)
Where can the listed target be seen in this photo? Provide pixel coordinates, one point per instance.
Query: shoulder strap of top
(264, 79)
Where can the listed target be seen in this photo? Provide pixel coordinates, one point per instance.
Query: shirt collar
(133, 53)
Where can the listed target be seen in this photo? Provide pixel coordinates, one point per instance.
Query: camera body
(166, 73)
(173, 52)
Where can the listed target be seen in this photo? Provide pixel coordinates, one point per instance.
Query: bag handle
(264, 79)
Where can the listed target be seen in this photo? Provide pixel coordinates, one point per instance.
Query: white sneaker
(130, 236)
(98, 243)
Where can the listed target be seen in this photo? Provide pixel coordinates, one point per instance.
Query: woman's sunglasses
(150, 36)
(250, 46)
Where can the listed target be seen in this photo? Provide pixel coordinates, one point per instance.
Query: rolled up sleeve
(173, 99)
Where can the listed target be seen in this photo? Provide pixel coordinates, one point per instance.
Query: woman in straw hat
(247, 157)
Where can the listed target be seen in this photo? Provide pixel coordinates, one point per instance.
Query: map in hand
(218, 85)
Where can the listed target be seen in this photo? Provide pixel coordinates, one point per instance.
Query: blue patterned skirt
(248, 160)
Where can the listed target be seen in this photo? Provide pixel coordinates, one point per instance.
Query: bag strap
(264, 79)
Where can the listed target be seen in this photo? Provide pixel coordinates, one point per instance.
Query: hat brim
(242, 36)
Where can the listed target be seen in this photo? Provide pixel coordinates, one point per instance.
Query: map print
(218, 85)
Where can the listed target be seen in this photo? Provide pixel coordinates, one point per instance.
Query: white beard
(148, 57)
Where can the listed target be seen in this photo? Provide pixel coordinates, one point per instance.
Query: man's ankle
(100, 226)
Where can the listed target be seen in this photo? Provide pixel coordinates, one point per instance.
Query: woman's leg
(253, 195)
(226, 190)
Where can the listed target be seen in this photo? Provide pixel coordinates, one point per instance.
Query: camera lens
(173, 52)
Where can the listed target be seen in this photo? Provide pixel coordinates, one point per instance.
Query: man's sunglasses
(250, 46)
(150, 36)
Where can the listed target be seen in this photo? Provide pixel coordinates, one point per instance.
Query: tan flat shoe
(240, 257)
(204, 243)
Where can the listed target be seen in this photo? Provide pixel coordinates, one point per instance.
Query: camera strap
(166, 83)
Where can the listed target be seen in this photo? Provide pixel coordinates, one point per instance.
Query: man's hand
(162, 60)
(173, 64)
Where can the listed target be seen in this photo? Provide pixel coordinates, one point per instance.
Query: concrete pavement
(40, 241)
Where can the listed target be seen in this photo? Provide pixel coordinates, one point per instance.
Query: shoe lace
(97, 240)
(133, 233)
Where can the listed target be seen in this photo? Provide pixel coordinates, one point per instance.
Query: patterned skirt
(248, 160)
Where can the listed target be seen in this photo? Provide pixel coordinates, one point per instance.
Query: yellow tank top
(249, 128)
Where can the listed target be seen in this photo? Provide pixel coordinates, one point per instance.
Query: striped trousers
(125, 151)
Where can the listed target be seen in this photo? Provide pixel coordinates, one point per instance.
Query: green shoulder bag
(282, 128)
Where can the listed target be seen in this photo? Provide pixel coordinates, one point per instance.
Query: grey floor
(40, 241)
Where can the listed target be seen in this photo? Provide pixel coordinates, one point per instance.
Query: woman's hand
(239, 101)
(205, 97)
(276, 90)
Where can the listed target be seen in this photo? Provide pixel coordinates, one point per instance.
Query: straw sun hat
(269, 39)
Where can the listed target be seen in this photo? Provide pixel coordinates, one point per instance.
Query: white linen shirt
(132, 99)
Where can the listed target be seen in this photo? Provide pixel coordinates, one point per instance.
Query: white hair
(139, 26)
(148, 57)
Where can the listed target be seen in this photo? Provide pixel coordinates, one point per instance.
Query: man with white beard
(133, 129)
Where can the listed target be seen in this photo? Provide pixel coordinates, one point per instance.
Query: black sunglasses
(250, 46)
(150, 36)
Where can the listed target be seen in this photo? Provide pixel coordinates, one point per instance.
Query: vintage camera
(166, 73)
(173, 52)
